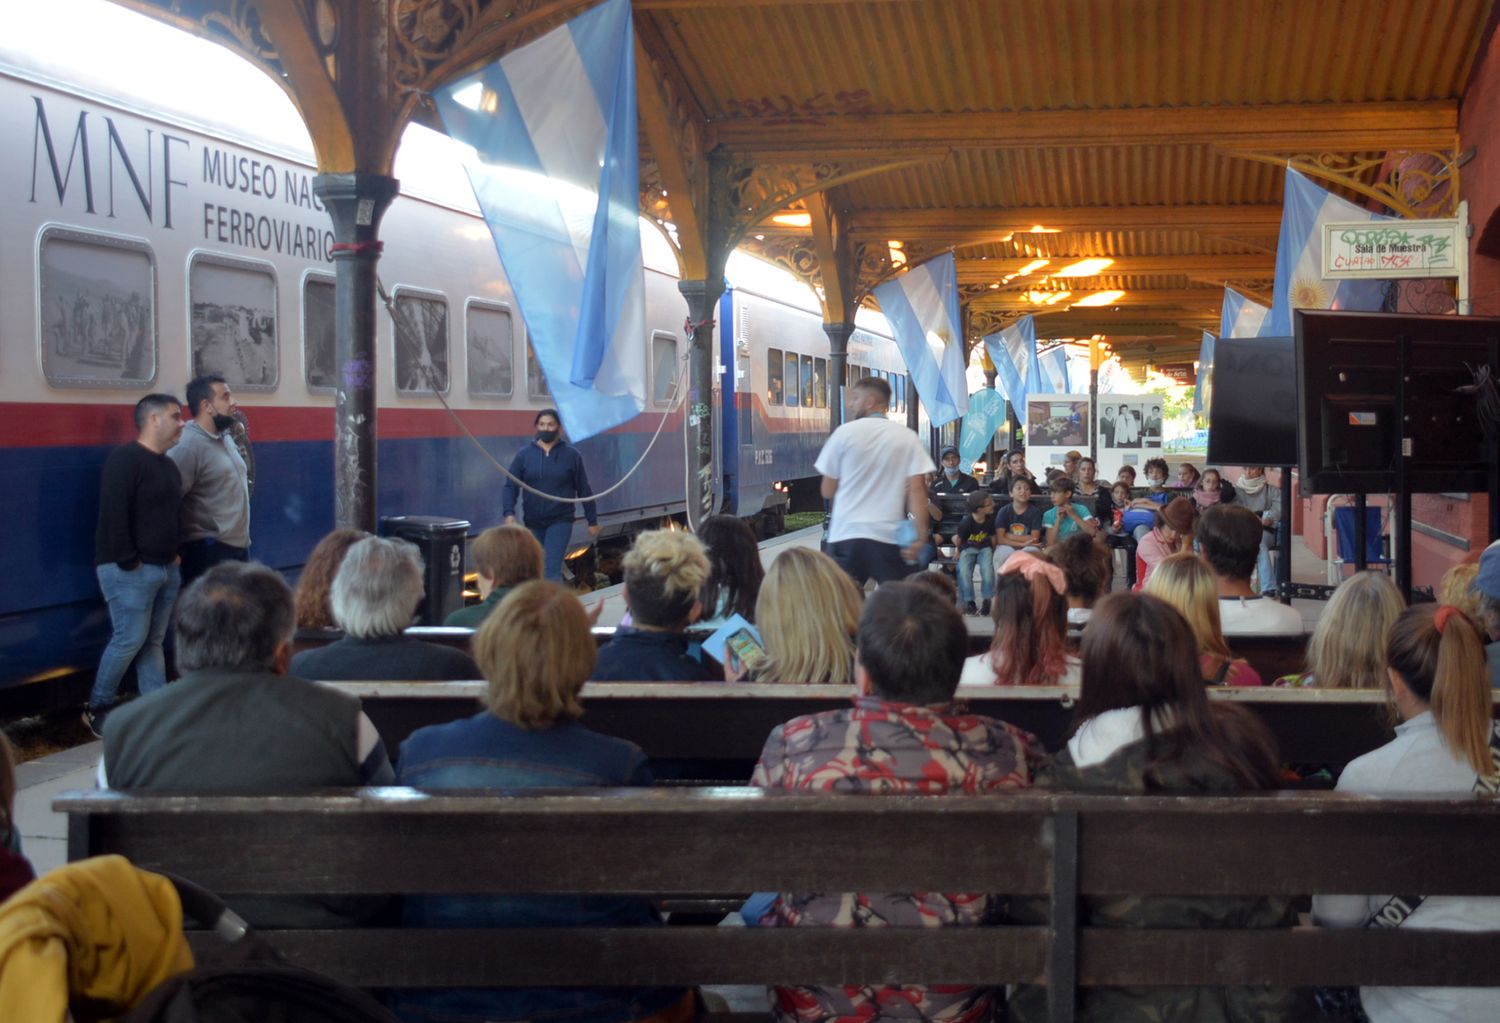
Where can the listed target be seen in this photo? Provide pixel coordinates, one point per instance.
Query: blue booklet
(736, 637)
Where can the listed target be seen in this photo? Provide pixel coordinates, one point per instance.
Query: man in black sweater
(135, 552)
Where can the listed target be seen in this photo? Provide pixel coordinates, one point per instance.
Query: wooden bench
(722, 726)
(656, 841)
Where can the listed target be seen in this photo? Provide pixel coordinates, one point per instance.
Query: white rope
(405, 333)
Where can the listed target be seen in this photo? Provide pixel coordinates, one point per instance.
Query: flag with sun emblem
(922, 308)
(1299, 257)
(1017, 369)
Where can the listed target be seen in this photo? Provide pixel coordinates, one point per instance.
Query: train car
(152, 231)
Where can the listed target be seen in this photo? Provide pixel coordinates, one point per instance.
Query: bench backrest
(1059, 847)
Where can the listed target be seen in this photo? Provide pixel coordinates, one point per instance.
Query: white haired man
(374, 596)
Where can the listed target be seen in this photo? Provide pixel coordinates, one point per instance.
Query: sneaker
(93, 720)
(984, 609)
(969, 608)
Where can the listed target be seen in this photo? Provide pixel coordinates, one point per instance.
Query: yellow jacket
(97, 932)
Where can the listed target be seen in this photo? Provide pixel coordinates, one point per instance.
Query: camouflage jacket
(879, 747)
(1125, 774)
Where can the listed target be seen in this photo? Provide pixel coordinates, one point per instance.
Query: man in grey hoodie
(215, 516)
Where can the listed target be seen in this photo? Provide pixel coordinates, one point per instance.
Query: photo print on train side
(97, 306)
(234, 329)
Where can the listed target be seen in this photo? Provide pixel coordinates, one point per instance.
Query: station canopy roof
(1092, 147)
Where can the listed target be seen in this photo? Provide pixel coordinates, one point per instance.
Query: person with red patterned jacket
(901, 736)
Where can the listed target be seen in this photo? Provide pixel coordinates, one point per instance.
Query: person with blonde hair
(1457, 588)
(1446, 745)
(808, 615)
(310, 598)
(374, 596)
(665, 571)
(1347, 649)
(504, 558)
(1187, 583)
(535, 651)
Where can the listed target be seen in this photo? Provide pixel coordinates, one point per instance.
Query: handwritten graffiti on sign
(1410, 248)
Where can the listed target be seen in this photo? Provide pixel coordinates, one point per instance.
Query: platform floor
(44, 833)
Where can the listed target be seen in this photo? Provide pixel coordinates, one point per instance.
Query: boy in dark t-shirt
(1018, 526)
(976, 538)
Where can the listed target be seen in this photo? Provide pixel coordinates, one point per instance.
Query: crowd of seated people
(242, 719)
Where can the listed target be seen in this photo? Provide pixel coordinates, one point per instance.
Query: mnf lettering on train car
(41, 140)
(221, 168)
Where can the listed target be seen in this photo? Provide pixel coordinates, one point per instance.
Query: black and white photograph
(421, 344)
(318, 332)
(491, 339)
(97, 311)
(234, 322)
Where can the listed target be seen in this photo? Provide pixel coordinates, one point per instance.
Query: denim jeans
(140, 606)
(967, 559)
(554, 539)
(198, 556)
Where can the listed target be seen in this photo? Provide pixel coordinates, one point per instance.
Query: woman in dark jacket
(1146, 726)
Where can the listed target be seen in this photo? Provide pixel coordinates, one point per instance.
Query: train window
(807, 381)
(536, 380)
(318, 339)
(900, 393)
(793, 393)
(97, 305)
(864, 372)
(820, 381)
(773, 376)
(420, 331)
(489, 340)
(663, 368)
(233, 321)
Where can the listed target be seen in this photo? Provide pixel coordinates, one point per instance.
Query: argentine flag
(922, 308)
(1017, 370)
(553, 127)
(1299, 257)
(1240, 316)
(1204, 383)
(1054, 371)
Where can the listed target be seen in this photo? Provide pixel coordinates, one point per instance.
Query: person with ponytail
(1030, 611)
(1446, 744)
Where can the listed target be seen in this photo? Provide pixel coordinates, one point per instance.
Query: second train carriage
(151, 234)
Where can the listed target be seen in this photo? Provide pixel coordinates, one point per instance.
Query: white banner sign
(1390, 251)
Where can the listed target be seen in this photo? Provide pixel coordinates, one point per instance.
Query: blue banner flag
(1017, 370)
(1240, 316)
(553, 127)
(1299, 257)
(986, 413)
(922, 308)
(1204, 384)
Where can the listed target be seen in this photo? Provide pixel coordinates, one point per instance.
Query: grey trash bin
(441, 541)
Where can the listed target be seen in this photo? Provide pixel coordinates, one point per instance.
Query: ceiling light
(802, 219)
(995, 286)
(1085, 268)
(1034, 265)
(1100, 298)
(1039, 229)
(1057, 296)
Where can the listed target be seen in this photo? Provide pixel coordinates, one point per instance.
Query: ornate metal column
(703, 301)
(838, 369)
(356, 202)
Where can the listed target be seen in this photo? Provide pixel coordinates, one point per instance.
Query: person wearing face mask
(553, 466)
(215, 510)
(953, 480)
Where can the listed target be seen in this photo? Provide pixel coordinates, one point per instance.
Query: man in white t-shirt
(1229, 538)
(874, 471)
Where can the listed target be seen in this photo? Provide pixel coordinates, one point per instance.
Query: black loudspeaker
(1252, 414)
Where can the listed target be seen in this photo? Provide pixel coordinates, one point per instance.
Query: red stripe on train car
(52, 424)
